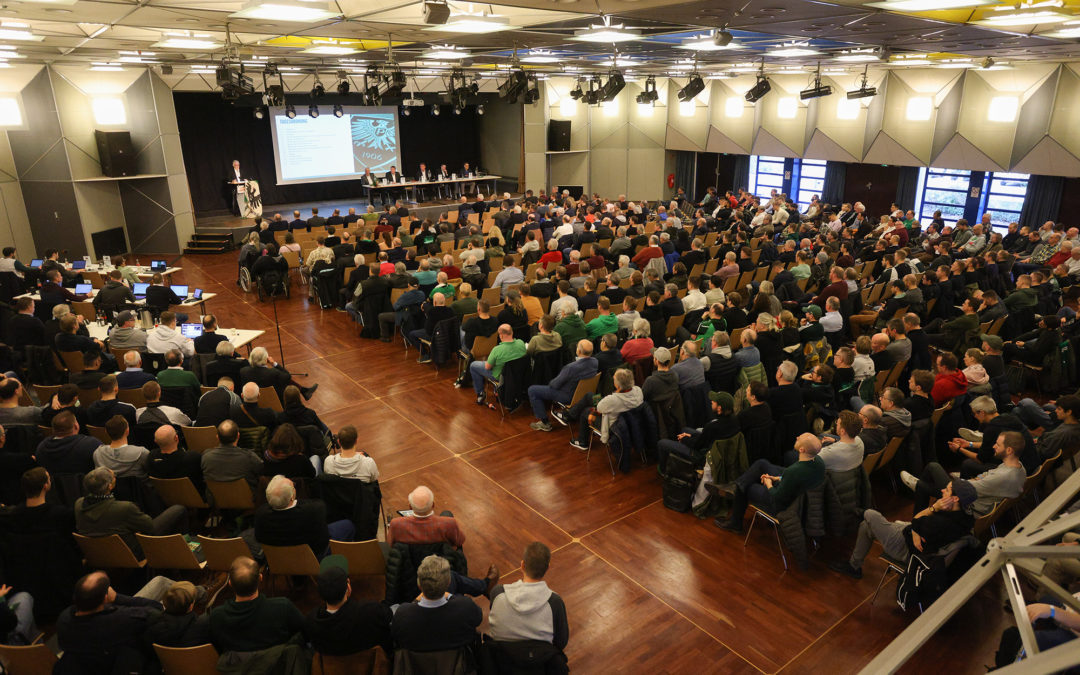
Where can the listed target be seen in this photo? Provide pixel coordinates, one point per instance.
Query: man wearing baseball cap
(935, 527)
(343, 625)
(696, 442)
(125, 335)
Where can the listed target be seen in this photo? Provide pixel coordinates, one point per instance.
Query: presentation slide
(313, 149)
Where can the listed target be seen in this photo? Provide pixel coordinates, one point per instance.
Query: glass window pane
(1004, 202)
(949, 182)
(813, 171)
(770, 180)
(1012, 187)
(945, 197)
(770, 167)
(814, 184)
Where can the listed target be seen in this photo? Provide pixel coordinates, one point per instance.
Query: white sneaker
(971, 436)
(908, 480)
(954, 475)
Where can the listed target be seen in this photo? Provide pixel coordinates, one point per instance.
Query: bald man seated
(773, 488)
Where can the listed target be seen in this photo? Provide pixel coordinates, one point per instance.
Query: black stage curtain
(833, 190)
(1042, 201)
(907, 186)
(213, 133)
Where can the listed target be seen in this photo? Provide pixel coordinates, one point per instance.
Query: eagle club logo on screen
(374, 140)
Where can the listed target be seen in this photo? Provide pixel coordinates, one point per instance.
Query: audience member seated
(67, 451)
(251, 413)
(218, 405)
(949, 382)
(169, 460)
(945, 521)
(250, 622)
(437, 621)
(265, 372)
(209, 340)
(284, 455)
(895, 419)
(349, 462)
(482, 372)
(125, 335)
(99, 514)
(179, 625)
(626, 396)
(285, 521)
(343, 625)
(174, 374)
(296, 413)
(696, 442)
(91, 373)
(1004, 481)
(640, 345)
(545, 340)
(225, 364)
(68, 340)
(756, 412)
(227, 462)
(845, 452)
(156, 411)
(133, 376)
(64, 400)
(121, 458)
(528, 609)
(166, 336)
(772, 488)
(561, 388)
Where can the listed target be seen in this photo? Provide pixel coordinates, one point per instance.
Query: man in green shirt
(507, 350)
(603, 324)
(773, 488)
(466, 302)
(174, 374)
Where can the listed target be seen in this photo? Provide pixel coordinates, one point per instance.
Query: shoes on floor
(308, 392)
(844, 567)
(540, 426)
(560, 417)
(909, 480)
(579, 445)
(725, 524)
(480, 400)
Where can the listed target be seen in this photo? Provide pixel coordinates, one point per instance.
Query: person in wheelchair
(271, 273)
(249, 254)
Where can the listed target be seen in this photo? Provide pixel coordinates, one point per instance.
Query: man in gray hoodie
(528, 609)
(123, 459)
(627, 396)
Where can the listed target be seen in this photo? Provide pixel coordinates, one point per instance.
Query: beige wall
(500, 139)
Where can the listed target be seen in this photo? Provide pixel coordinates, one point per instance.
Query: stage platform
(237, 227)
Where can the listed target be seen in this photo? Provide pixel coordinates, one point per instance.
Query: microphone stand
(277, 328)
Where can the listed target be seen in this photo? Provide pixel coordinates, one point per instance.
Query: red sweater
(648, 253)
(550, 257)
(948, 386)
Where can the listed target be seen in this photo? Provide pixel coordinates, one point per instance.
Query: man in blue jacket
(561, 389)
(389, 320)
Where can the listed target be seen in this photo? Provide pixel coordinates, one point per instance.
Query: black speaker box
(559, 135)
(117, 155)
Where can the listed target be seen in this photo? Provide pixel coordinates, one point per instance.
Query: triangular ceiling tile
(823, 147)
(676, 141)
(885, 150)
(960, 153)
(767, 144)
(718, 141)
(1048, 157)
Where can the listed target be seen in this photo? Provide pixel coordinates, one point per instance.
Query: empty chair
(179, 491)
(364, 557)
(170, 552)
(107, 552)
(234, 494)
(200, 439)
(220, 553)
(35, 659)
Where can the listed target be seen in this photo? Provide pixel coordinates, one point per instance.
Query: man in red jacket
(949, 382)
(648, 253)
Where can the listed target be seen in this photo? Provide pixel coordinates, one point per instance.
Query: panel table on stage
(416, 185)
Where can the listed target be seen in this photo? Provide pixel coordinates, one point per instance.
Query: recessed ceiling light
(955, 63)
(706, 43)
(1003, 109)
(857, 55)
(185, 20)
(51, 2)
(1065, 33)
(793, 49)
(57, 10)
(286, 10)
(926, 5)
(13, 30)
(919, 108)
(1025, 18)
(540, 56)
(621, 62)
(606, 32)
(445, 52)
(473, 23)
(107, 67)
(329, 49)
(910, 60)
(186, 40)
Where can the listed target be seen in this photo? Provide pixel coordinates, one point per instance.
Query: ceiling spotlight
(480, 109)
(514, 86)
(759, 90)
(649, 95)
(317, 90)
(435, 109)
(313, 110)
(457, 110)
(532, 92)
(576, 92)
(987, 62)
(290, 111)
(863, 91)
(259, 113)
(818, 90)
(722, 38)
(693, 87)
(615, 83)
(343, 87)
(338, 111)
(436, 12)
(592, 96)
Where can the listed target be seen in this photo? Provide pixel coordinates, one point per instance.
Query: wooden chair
(367, 662)
(200, 439)
(118, 354)
(673, 324)
(45, 392)
(291, 561)
(187, 660)
(133, 396)
(84, 309)
(94, 279)
(107, 552)
(34, 659)
(170, 552)
(220, 553)
(364, 557)
(492, 295)
(205, 390)
(870, 462)
(88, 396)
(73, 361)
(584, 388)
(235, 494)
(179, 491)
(986, 523)
(268, 398)
(887, 455)
(99, 433)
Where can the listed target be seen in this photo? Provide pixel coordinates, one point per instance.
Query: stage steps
(209, 243)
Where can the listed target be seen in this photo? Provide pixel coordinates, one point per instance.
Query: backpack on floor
(678, 483)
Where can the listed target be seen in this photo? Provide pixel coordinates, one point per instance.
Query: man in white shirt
(155, 411)
(845, 453)
(350, 462)
(567, 228)
(833, 321)
(166, 336)
(694, 299)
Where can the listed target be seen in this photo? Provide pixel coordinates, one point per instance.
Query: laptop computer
(197, 294)
(181, 291)
(83, 289)
(191, 330)
(158, 266)
(78, 264)
(36, 263)
(139, 290)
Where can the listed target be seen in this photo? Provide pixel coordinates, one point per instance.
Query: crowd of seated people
(819, 343)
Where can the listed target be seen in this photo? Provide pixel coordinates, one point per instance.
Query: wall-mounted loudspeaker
(116, 154)
(559, 135)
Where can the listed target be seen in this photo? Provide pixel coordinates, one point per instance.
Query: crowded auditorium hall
(661, 337)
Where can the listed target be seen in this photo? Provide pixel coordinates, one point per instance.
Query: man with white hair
(251, 413)
(265, 372)
(648, 253)
(439, 620)
(286, 521)
(422, 526)
(133, 376)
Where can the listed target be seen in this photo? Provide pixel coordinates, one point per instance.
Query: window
(1005, 194)
(766, 175)
(811, 181)
(942, 190)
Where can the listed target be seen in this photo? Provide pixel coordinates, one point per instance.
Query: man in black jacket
(345, 625)
(285, 521)
(226, 364)
(435, 310)
(114, 293)
(439, 621)
(251, 413)
(161, 297)
(265, 372)
(218, 405)
(24, 328)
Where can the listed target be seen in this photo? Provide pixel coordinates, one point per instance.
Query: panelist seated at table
(467, 169)
(424, 175)
(444, 173)
(367, 179)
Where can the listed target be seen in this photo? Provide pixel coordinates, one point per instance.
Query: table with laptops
(105, 266)
(192, 297)
(238, 337)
